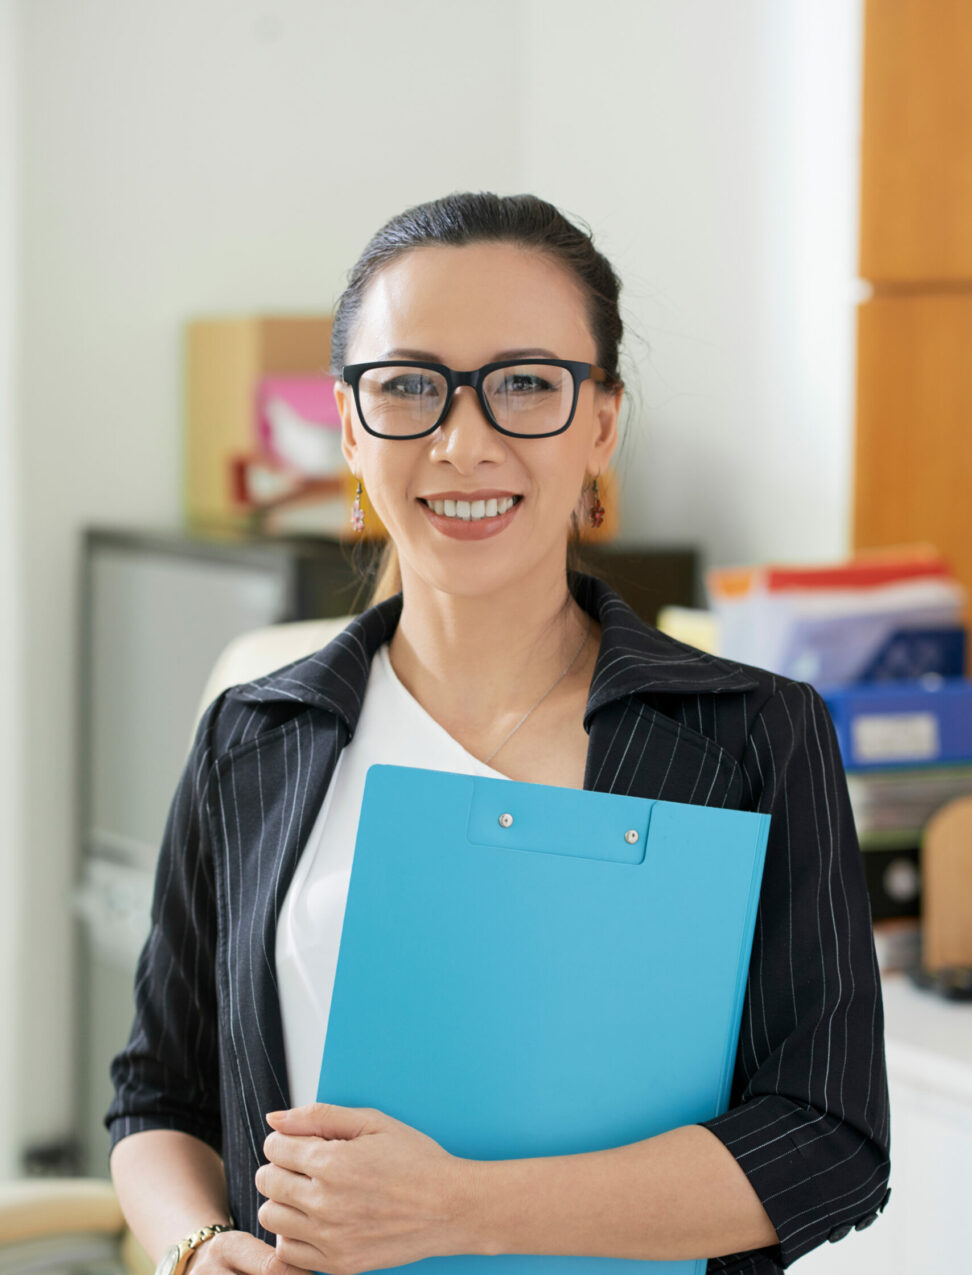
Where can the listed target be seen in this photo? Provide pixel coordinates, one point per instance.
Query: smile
(472, 511)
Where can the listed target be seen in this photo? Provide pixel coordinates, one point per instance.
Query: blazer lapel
(267, 795)
(636, 750)
(633, 747)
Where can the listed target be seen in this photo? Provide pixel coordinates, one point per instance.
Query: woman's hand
(240, 1253)
(351, 1189)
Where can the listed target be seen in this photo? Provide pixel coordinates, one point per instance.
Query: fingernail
(275, 1115)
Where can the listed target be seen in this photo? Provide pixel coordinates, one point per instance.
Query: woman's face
(465, 307)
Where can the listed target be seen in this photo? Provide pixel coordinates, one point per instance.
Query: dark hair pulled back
(476, 217)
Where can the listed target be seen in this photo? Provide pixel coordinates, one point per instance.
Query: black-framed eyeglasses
(525, 398)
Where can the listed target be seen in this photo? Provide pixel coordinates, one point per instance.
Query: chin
(467, 578)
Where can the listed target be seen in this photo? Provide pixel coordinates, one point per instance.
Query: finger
(300, 1154)
(284, 1219)
(283, 1186)
(327, 1120)
(301, 1255)
(242, 1254)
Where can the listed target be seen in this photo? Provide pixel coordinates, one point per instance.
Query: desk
(925, 1228)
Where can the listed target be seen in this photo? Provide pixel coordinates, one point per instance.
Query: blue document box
(527, 970)
(903, 723)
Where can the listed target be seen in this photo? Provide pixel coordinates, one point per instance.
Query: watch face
(169, 1261)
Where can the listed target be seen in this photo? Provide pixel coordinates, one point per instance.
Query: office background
(159, 161)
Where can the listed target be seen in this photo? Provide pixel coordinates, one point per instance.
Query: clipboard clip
(573, 822)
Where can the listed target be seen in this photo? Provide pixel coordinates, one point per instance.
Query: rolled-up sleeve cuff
(791, 1156)
(121, 1126)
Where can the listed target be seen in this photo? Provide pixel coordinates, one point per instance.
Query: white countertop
(928, 1039)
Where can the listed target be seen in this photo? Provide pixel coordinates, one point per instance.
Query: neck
(476, 661)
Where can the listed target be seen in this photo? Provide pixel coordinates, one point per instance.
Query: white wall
(11, 609)
(188, 156)
(714, 149)
(184, 157)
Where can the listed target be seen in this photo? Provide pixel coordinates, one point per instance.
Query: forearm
(677, 1196)
(169, 1184)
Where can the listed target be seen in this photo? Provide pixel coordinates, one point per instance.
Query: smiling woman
(476, 347)
(483, 383)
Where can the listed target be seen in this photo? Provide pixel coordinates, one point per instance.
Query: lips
(471, 520)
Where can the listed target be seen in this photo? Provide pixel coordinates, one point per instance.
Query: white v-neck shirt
(393, 729)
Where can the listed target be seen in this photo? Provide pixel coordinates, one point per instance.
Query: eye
(410, 385)
(523, 383)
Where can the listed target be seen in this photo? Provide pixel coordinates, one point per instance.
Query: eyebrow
(420, 355)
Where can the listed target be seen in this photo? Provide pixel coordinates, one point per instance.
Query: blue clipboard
(527, 970)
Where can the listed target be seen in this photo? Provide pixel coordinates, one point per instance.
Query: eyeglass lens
(525, 399)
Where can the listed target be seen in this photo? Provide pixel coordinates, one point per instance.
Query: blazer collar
(633, 657)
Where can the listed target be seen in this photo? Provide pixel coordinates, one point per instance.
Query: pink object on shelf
(298, 425)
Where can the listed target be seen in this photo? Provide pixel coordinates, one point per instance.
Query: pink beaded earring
(357, 513)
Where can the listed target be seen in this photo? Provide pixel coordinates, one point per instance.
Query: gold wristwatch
(177, 1258)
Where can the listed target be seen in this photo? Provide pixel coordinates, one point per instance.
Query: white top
(393, 729)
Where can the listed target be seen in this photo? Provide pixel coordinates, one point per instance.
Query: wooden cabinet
(914, 423)
(913, 446)
(916, 141)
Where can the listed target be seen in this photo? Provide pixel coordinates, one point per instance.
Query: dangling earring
(597, 509)
(357, 513)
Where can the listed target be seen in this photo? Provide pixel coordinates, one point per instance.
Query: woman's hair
(482, 217)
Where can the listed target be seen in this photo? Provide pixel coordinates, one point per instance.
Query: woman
(484, 654)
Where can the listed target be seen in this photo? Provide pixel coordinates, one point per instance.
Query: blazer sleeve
(808, 1121)
(167, 1076)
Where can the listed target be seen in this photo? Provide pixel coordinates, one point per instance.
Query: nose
(466, 438)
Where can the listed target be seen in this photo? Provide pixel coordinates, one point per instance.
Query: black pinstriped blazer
(808, 1119)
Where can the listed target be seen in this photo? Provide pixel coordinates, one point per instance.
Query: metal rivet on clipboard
(631, 836)
(505, 820)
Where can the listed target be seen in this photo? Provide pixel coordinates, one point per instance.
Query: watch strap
(189, 1246)
(207, 1233)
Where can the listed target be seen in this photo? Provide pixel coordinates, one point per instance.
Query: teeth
(472, 511)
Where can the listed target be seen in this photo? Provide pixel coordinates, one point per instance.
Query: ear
(605, 439)
(345, 405)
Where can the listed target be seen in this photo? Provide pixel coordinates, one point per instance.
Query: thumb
(326, 1120)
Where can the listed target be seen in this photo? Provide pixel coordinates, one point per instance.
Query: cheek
(559, 469)
(387, 474)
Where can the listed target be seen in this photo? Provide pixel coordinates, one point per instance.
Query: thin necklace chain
(573, 660)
